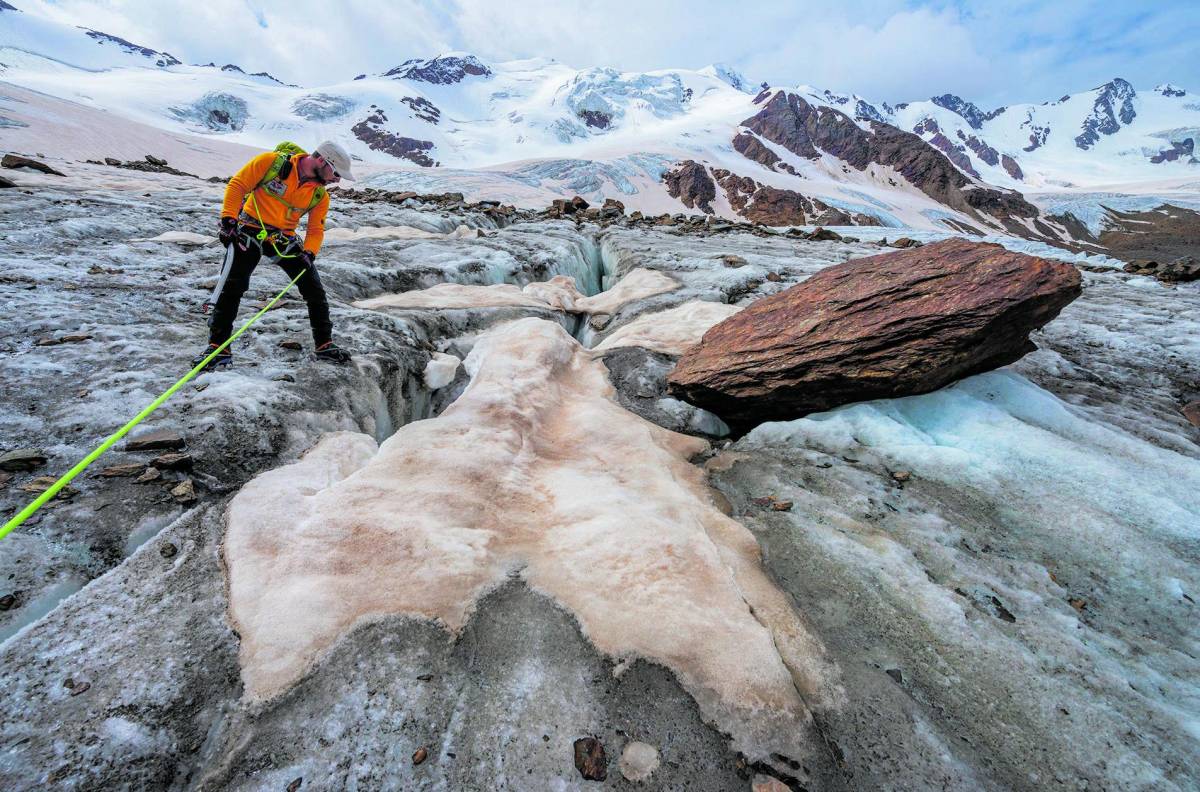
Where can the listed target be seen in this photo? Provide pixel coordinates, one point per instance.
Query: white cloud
(886, 50)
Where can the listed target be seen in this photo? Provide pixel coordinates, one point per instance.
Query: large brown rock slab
(879, 327)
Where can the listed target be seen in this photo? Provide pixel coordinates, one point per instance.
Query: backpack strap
(281, 168)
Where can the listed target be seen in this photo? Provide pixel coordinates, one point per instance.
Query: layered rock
(788, 120)
(443, 70)
(371, 131)
(880, 327)
(691, 184)
(1113, 107)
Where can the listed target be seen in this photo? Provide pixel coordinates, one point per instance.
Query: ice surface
(637, 284)
(440, 370)
(533, 471)
(671, 332)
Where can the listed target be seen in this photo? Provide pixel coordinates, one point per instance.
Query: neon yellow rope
(66, 479)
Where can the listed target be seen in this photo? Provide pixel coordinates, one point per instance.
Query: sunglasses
(336, 175)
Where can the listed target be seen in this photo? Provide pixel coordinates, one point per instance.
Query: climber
(264, 202)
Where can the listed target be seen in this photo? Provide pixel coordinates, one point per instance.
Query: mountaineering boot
(332, 352)
(221, 360)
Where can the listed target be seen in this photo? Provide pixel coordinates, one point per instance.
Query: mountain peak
(968, 110)
(1113, 107)
(162, 59)
(6, 7)
(446, 69)
(1167, 89)
(727, 75)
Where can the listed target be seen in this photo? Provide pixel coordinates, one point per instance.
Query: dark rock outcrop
(372, 132)
(445, 70)
(954, 152)
(972, 114)
(17, 161)
(885, 326)
(750, 147)
(1011, 167)
(1163, 234)
(690, 183)
(1113, 107)
(790, 121)
(982, 150)
(596, 118)
(1181, 270)
(1037, 137)
(423, 109)
(161, 59)
(760, 203)
(1179, 149)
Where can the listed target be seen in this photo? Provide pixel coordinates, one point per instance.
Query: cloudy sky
(991, 51)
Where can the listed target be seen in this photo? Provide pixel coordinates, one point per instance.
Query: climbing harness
(70, 475)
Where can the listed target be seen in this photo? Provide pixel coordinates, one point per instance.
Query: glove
(229, 231)
(307, 258)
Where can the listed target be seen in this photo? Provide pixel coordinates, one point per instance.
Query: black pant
(238, 280)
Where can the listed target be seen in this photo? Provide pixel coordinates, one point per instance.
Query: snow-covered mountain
(600, 132)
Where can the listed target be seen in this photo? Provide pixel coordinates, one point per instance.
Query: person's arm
(243, 182)
(315, 230)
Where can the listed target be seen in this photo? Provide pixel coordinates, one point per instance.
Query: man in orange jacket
(264, 202)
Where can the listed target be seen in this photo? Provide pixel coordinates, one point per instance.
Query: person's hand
(307, 258)
(229, 231)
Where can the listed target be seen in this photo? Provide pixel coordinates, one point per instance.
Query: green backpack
(281, 168)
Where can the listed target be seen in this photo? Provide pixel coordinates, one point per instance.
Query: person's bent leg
(314, 296)
(226, 307)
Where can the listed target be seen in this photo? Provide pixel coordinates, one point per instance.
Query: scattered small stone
(17, 161)
(824, 235)
(781, 506)
(906, 242)
(201, 386)
(155, 160)
(290, 344)
(22, 459)
(150, 474)
(283, 378)
(160, 439)
(545, 738)
(901, 476)
(168, 550)
(425, 677)
(74, 338)
(1077, 603)
(4, 479)
(122, 470)
(42, 483)
(896, 675)
(173, 460)
(765, 783)
(774, 277)
(730, 260)
(184, 491)
(590, 760)
(639, 760)
(296, 782)
(419, 755)
(1191, 411)
(7, 602)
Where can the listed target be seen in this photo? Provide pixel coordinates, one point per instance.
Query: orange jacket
(276, 213)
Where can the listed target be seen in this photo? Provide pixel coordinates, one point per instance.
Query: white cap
(336, 156)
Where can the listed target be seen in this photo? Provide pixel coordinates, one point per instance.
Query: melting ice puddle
(146, 529)
(38, 607)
